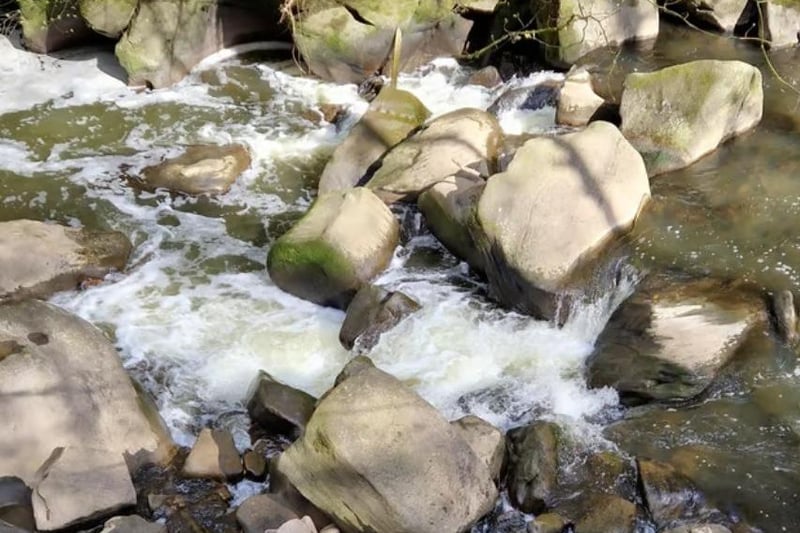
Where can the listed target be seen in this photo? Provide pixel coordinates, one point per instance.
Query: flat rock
(38, 259)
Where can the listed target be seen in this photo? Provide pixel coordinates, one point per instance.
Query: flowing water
(196, 316)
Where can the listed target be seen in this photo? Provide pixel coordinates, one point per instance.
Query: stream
(195, 316)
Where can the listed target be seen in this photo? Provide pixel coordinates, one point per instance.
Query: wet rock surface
(373, 311)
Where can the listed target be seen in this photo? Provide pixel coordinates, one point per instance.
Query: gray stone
(132, 524)
(296, 525)
(214, 456)
(488, 442)
(560, 201)
(676, 115)
(69, 391)
(277, 407)
(373, 311)
(390, 118)
(263, 511)
(38, 259)
(577, 102)
(343, 241)
(462, 141)
(668, 494)
(77, 485)
(370, 440)
(199, 170)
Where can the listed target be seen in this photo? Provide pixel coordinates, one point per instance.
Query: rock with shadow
(377, 457)
(277, 408)
(373, 311)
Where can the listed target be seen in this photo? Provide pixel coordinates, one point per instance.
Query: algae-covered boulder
(344, 240)
(448, 207)
(166, 38)
(351, 40)
(676, 115)
(466, 140)
(576, 27)
(108, 17)
(38, 259)
(391, 116)
(560, 200)
(50, 25)
(377, 457)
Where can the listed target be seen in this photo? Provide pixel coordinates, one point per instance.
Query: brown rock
(214, 456)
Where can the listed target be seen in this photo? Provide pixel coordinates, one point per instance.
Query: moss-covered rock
(676, 115)
(390, 118)
(50, 25)
(465, 140)
(107, 17)
(344, 240)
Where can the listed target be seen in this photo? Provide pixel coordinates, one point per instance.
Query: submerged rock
(390, 118)
(373, 311)
(167, 38)
(108, 17)
(465, 140)
(407, 469)
(67, 387)
(583, 26)
(214, 456)
(77, 485)
(561, 200)
(667, 342)
(278, 408)
(343, 241)
(676, 115)
(577, 102)
(199, 170)
(38, 259)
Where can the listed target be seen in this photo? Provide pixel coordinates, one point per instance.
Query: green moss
(287, 254)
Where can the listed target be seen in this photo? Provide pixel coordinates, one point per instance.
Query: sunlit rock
(38, 259)
(344, 240)
(132, 524)
(577, 102)
(377, 457)
(390, 118)
(676, 115)
(107, 17)
(560, 201)
(214, 456)
(465, 141)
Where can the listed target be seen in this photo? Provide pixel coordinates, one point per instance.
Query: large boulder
(558, 202)
(462, 141)
(199, 170)
(390, 118)
(63, 385)
(76, 485)
(108, 17)
(352, 40)
(50, 25)
(38, 259)
(377, 457)
(668, 342)
(166, 38)
(448, 207)
(373, 311)
(343, 241)
(577, 101)
(676, 115)
(575, 28)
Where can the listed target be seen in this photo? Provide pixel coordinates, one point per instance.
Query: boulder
(581, 26)
(343, 241)
(296, 525)
(462, 141)
(255, 465)
(676, 115)
(377, 457)
(448, 207)
(16, 508)
(50, 25)
(263, 511)
(577, 102)
(77, 485)
(38, 259)
(278, 408)
(107, 17)
(199, 170)
(166, 38)
(533, 466)
(669, 341)
(64, 385)
(352, 41)
(282, 490)
(373, 311)
(559, 202)
(668, 494)
(214, 456)
(488, 442)
(132, 524)
(390, 118)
